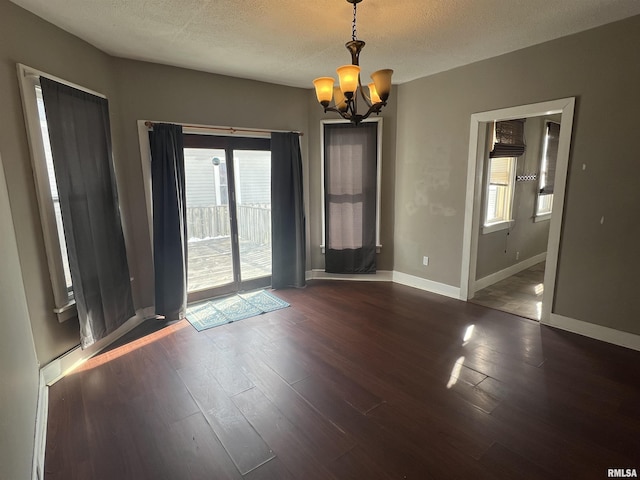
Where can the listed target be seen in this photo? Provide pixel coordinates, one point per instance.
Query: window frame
(507, 221)
(377, 120)
(29, 79)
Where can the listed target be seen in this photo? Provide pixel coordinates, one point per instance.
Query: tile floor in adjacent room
(520, 294)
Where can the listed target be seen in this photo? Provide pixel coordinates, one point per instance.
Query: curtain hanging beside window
(508, 139)
(169, 221)
(551, 157)
(350, 197)
(80, 138)
(287, 212)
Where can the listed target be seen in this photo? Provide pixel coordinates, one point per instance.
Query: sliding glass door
(228, 190)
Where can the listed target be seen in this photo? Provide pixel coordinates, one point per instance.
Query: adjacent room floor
(356, 380)
(520, 294)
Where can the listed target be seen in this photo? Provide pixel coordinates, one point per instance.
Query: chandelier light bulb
(324, 90)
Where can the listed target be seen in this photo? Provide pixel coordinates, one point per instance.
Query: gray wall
(598, 263)
(499, 250)
(18, 363)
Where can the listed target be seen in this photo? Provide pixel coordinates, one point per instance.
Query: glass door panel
(209, 252)
(228, 214)
(252, 180)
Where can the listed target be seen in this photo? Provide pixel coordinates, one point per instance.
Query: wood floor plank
(286, 440)
(350, 390)
(276, 356)
(68, 453)
(396, 449)
(274, 469)
(243, 444)
(568, 454)
(500, 458)
(328, 441)
(231, 379)
(357, 464)
(196, 452)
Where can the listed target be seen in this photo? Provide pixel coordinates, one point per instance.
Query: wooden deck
(209, 262)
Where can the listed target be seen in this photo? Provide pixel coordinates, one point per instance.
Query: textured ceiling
(292, 42)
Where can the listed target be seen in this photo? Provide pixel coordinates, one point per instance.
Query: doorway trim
(477, 148)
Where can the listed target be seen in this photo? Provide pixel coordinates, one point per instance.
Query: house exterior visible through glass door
(228, 192)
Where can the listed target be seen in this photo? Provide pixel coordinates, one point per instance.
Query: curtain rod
(224, 129)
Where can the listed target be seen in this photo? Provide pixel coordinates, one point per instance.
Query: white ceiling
(291, 42)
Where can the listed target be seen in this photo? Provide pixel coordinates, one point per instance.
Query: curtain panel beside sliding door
(80, 138)
(350, 197)
(287, 213)
(169, 220)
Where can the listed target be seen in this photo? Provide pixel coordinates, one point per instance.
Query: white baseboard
(484, 282)
(40, 443)
(598, 332)
(379, 276)
(390, 276)
(59, 367)
(428, 285)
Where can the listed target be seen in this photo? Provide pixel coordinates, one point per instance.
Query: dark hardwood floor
(359, 381)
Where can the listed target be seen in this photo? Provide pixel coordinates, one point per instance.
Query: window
(47, 191)
(499, 193)
(548, 170)
(508, 144)
(327, 126)
(53, 190)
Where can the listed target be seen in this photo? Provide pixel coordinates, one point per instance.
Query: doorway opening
(228, 214)
(478, 272)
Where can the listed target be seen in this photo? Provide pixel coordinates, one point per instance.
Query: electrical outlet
(517, 255)
(425, 261)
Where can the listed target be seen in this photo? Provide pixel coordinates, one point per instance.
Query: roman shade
(508, 139)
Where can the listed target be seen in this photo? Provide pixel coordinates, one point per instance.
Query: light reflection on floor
(455, 372)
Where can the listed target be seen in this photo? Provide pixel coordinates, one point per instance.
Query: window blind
(500, 169)
(508, 139)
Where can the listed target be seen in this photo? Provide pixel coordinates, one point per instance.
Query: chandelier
(346, 95)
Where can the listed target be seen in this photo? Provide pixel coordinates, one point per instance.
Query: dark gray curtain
(287, 212)
(169, 221)
(350, 171)
(80, 139)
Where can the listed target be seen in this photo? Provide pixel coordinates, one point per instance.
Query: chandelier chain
(353, 31)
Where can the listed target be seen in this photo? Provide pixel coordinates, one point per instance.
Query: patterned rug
(219, 311)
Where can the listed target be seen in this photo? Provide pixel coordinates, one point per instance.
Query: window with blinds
(501, 176)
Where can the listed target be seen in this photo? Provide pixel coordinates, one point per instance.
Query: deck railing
(254, 222)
